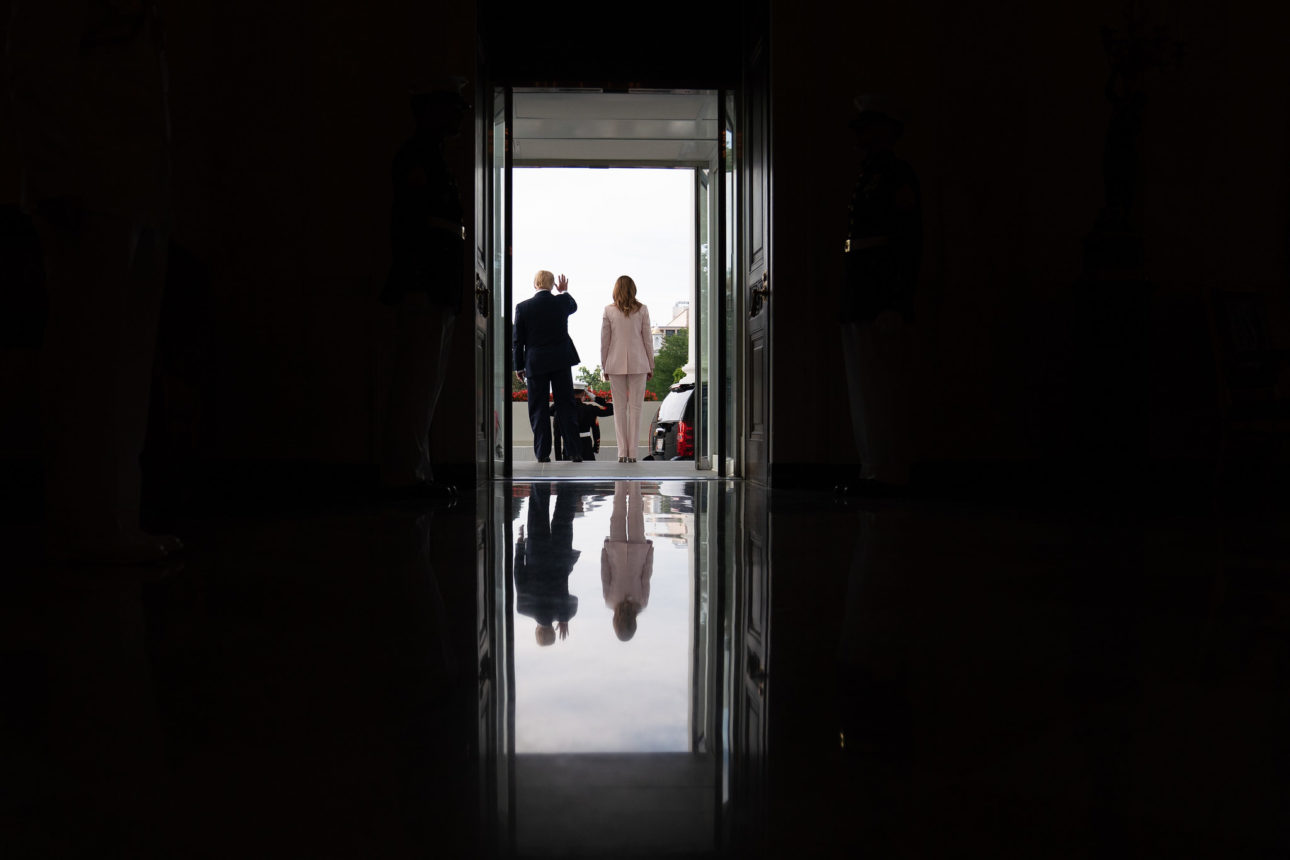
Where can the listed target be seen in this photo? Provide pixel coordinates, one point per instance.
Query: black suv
(671, 433)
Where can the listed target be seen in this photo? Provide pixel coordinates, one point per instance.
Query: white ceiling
(602, 129)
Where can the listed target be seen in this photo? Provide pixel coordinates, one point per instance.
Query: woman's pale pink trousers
(628, 390)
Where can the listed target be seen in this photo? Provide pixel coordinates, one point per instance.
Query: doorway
(680, 142)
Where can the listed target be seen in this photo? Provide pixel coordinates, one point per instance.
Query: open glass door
(493, 631)
(700, 315)
(729, 336)
(500, 207)
(715, 309)
(707, 315)
(750, 595)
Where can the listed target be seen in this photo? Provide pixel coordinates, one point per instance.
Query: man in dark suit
(544, 560)
(544, 354)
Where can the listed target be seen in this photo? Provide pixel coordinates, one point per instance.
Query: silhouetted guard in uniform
(882, 250)
(587, 414)
(543, 561)
(424, 286)
(88, 81)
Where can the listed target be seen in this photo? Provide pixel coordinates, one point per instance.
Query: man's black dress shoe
(544, 459)
(576, 458)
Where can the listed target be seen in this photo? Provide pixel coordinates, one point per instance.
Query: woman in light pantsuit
(627, 358)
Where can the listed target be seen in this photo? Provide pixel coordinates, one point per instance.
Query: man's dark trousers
(560, 383)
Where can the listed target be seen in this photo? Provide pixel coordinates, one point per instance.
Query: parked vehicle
(671, 434)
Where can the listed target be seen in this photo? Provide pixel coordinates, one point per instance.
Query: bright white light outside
(596, 224)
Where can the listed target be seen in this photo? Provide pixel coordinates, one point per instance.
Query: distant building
(680, 321)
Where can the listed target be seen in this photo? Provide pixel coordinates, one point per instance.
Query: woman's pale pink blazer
(625, 571)
(626, 345)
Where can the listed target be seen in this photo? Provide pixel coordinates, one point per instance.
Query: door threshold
(589, 470)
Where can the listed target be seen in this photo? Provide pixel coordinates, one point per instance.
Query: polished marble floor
(655, 668)
(608, 468)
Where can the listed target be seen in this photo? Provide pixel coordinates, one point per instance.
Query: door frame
(753, 160)
(492, 267)
(728, 460)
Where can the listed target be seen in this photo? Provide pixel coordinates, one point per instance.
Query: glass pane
(701, 324)
(500, 286)
(730, 295)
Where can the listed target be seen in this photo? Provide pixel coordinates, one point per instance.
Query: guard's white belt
(586, 435)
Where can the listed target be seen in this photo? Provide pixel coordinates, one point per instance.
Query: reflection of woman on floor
(627, 560)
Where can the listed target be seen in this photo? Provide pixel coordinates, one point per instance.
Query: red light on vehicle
(684, 439)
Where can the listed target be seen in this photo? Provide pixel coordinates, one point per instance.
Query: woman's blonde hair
(625, 295)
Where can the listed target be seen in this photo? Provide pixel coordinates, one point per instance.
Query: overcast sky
(594, 225)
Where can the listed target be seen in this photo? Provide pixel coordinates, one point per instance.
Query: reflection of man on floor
(543, 562)
(627, 560)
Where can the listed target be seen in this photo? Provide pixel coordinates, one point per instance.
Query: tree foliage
(671, 358)
(595, 379)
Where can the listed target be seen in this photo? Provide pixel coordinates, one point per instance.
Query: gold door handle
(759, 296)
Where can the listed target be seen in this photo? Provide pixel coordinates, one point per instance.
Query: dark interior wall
(285, 118)
(1005, 123)
(19, 430)
(1006, 129)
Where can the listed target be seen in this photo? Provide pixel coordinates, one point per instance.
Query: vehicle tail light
(684, 439)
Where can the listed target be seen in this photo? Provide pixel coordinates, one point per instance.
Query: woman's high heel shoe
(622, 459)
(631, 459)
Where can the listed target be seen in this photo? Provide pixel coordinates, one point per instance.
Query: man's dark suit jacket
(541, 336)
(542, 568)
